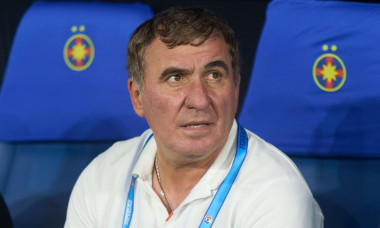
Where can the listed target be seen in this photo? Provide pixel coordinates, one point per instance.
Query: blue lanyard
(221, 194)
(131, 194)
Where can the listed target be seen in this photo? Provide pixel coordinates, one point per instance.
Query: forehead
(214, 48)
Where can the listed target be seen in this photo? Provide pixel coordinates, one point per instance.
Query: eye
(174, 78)
(214, 75)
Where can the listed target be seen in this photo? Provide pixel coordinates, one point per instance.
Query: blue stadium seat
(64, 99)
(314, 106)
(314, 93)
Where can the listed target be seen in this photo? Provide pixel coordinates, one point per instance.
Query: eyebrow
(173, 70)
(181, 71)
(217, 63)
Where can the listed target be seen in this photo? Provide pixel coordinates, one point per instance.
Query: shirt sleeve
(81, 208)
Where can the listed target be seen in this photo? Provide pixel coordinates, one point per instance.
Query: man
(195, 167)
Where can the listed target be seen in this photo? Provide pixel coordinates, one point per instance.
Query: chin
(194, 151)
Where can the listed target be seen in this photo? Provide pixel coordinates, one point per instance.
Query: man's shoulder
(119, 156)
(271, 181)
(265, 161)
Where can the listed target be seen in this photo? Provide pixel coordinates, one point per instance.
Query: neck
(177, 180)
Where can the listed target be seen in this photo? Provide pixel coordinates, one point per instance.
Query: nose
(197, 96)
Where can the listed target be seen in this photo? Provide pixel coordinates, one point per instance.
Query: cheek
(227, 101)
(154, 104)
(159, 104)
(159, 101)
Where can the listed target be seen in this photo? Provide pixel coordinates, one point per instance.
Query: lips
(196, 124)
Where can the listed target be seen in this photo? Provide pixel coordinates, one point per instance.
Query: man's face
(190, 97)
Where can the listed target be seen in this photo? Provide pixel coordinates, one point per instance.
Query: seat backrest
(66, 76)
(314, 88)
(314, 93)
(64, 100)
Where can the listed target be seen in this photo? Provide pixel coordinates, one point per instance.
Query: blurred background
(310, 86)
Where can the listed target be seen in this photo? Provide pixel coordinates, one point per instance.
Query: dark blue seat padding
(347, 190)
(40, 177)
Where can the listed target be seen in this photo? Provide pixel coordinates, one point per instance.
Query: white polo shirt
(269, 191)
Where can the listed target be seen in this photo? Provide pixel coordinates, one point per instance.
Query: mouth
(195, 125)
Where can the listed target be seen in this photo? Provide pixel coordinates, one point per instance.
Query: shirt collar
(144, 166)
(212, 178)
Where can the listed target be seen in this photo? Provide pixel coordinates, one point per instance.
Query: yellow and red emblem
(79, 51)
(329, 71)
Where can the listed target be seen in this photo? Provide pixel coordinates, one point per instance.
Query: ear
(135, 94)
